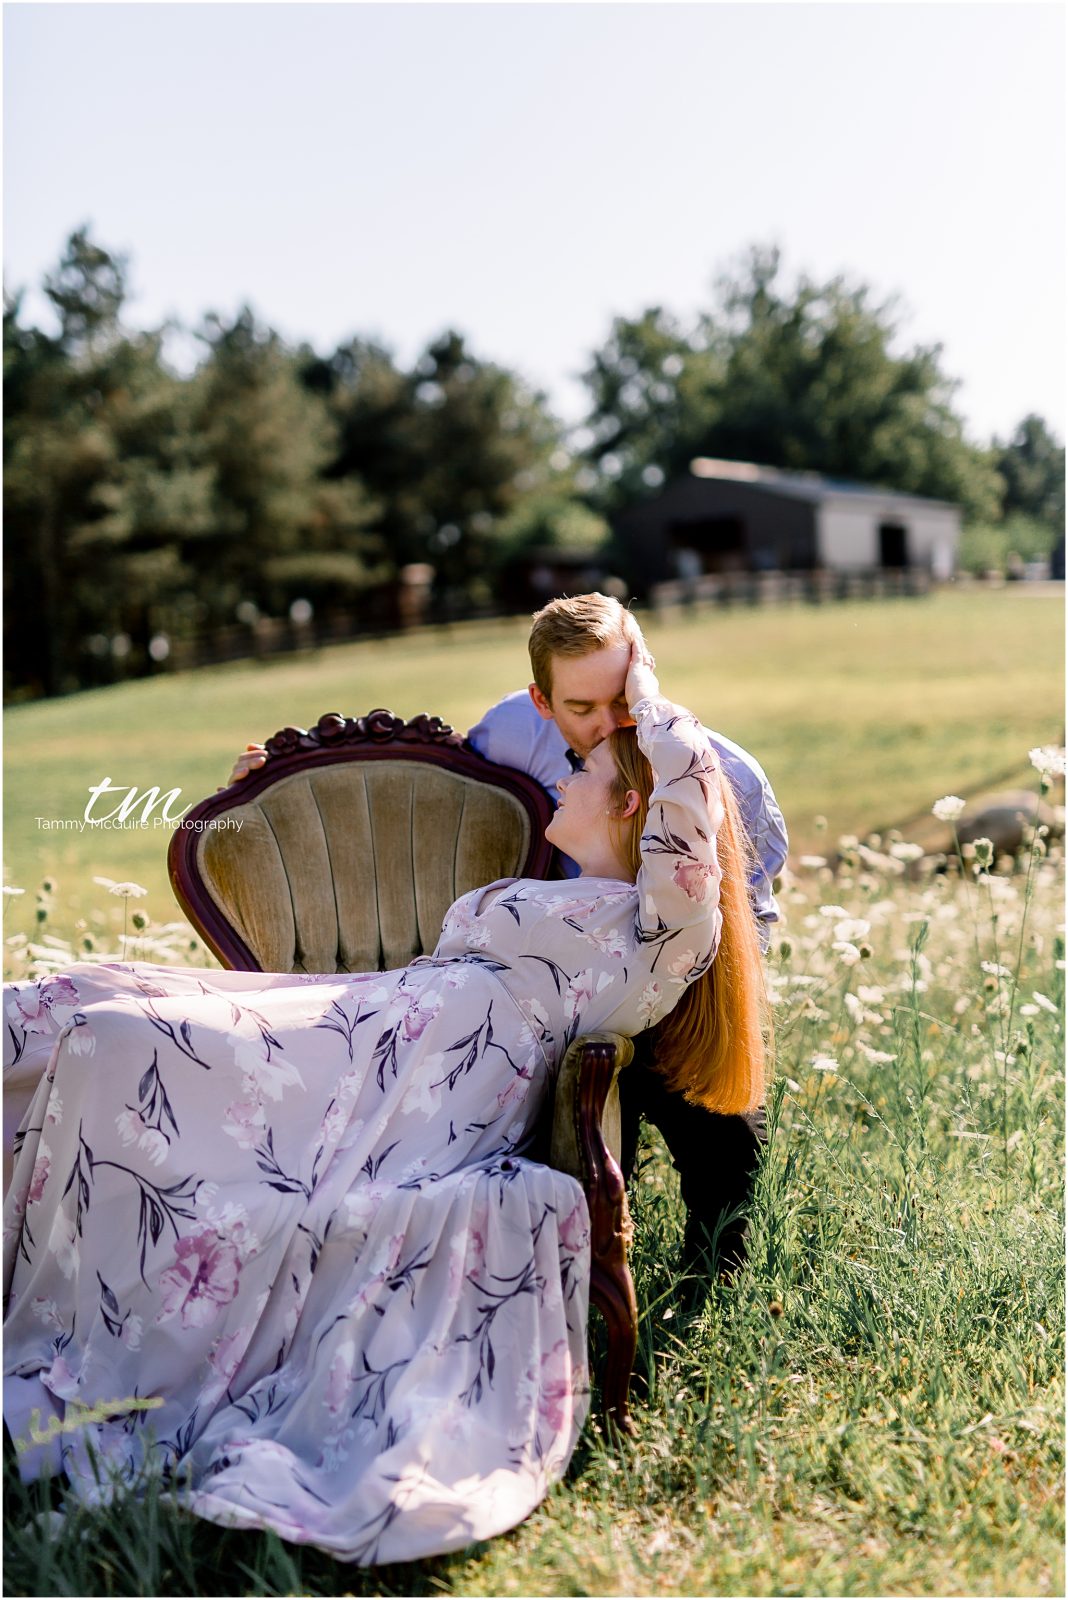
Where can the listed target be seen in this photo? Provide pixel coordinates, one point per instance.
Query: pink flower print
(422, 1009)
(47, 1311)
(554, 1395)
(81, 1040)
(60, 1380)
(27, 1011)
(681, 964)
(61, 997)
(244, 1120)
(41, 1168)
(63, 1243)
(339, 1379)
(575, 1228)
(576, 909)
(477, 1236)
(697, 879)
(203, 1279)
(265, 1071)
(132, 1329)
(649, 1003)
(133, 1130)
(579, 994)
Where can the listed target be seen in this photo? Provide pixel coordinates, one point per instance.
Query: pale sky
(525, 172)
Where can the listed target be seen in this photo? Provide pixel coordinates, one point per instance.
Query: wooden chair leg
(611, 1285)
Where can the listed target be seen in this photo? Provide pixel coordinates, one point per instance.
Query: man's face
(588, 702)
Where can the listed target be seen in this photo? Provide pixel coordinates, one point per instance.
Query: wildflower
(824, 1064)
(848, 954)
(995, 969)
(128, 890)
(949, 808)
(833, 911)
(1045, 1002)
(9, 890)
(876, 1057)
(903, 850)
(812, 861)
(984, 852)
(1048, 759)
(853, 928)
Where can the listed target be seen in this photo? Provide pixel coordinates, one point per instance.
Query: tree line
(144, 505)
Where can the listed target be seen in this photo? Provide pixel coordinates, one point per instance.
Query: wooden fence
(781, 588)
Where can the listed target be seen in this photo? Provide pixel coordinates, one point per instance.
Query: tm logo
(148, 801)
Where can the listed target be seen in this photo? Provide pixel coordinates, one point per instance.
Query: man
(579, 651)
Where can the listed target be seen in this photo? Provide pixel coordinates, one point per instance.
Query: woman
(273, 1231)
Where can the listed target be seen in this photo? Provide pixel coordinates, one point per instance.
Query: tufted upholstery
(352, 867)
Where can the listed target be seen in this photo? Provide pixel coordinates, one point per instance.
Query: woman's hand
(641, 678)
(250, 761)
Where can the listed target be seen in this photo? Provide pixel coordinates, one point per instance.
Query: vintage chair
(357, 836)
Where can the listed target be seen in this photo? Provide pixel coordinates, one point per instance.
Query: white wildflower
(824, 1064)
(1045, 1002)
(847, 953)
(852, 928)
(832, 911)
(9, 890)
(903, 850)
(877, 1057)
(949, 808)
(995, 969)
(812, 861)
(1048, 759)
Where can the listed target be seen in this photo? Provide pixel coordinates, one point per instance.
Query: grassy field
(876, 1405)
(859, 712)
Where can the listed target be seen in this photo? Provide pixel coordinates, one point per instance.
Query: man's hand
(254, 756)
(641, 678)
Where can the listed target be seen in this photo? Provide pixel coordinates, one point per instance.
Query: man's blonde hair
(574, 627)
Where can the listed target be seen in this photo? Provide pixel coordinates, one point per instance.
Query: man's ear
(631, 804)
(541, 705)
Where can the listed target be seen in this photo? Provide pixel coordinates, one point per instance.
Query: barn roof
(811, 486)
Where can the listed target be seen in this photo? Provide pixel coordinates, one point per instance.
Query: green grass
(876, 1405)
(862, 712)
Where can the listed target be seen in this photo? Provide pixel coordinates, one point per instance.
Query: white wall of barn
(847, 534)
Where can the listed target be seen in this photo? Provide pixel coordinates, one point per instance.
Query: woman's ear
(631, 804)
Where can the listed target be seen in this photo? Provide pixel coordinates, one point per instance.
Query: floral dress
(275, 1236)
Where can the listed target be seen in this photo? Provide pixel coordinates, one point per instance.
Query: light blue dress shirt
(512, 734)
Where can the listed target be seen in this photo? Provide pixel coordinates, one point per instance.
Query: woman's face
(583, 827)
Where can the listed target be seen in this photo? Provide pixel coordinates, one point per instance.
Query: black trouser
(716, 1158)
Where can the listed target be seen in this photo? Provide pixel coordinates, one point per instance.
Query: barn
(727, 517)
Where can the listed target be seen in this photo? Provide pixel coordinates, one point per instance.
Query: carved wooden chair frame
(585, 1104)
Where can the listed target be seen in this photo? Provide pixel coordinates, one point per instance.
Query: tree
(278, 529)
(804, 379)
(1032, 465)
(450, 448)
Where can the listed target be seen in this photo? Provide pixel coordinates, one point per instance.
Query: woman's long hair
(715, 1046)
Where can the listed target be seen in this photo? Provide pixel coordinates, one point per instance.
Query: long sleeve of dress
(678, 882)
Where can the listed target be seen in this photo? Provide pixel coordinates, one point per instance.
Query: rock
(1002, 818)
